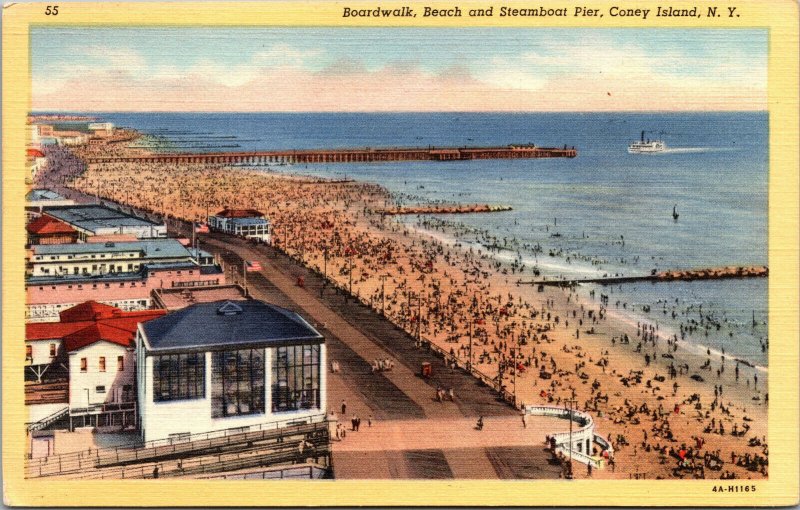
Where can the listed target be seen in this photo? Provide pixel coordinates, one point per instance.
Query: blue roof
(152, 248)
(96, 217)
(224, 325)
(42, 194)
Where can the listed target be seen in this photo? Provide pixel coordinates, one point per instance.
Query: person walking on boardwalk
(344, 408)
(524, 420)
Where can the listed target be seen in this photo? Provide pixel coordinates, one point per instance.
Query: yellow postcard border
(779, 17)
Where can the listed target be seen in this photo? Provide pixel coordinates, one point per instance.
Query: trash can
(427, 370)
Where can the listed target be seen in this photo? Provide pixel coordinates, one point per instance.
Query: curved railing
(583, 435)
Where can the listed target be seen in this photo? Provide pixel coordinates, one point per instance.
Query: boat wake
(694, 150)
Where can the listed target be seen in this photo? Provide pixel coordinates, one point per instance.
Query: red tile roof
(49, 225)
(91, 322)
(35, 153)
(89, 311)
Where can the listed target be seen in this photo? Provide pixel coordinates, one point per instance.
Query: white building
(98, 220)
(247, 223)
(89, 356)
(221, 365)
(95, 259)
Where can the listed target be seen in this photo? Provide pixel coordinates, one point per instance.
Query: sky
(397, 69)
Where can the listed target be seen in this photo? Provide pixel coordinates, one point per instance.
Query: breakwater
(444, 209)
(666, 276)
(358, 155)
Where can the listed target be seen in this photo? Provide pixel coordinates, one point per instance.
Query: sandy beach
(669, 410)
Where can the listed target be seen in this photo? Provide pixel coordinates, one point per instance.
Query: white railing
(565, 441)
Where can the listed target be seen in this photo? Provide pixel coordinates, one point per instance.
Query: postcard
(384, 253)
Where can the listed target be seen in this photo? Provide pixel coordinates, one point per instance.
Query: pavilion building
(247, 223)
(225, 365)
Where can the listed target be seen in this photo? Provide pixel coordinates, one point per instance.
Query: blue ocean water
(715, 173)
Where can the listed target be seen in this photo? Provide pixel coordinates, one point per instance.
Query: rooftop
(91, 322)
(96, 217)
(176, 299)
(42, 194)
(151, 248)
(239, 213)
(227, 325)
(126, 276)
(47, 225)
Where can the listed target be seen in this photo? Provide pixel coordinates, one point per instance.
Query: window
(102, 363)
(29, 352)
(100, 389)
(295, 378)
(83, 364)
(179, 376)
(52, 350)
(237, 383)
(120, 363)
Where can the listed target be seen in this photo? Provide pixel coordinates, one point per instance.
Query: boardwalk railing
(172, 447)
(241, 456)
(48, 420)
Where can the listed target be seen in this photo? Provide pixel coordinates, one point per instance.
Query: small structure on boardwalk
(247, 223)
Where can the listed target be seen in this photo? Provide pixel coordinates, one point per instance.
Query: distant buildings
(94, 220)
(226, 364)
(117, 274)
(35, 161)
(247, 223)
(101, 129)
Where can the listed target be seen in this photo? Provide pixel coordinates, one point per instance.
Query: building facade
(88, 356)
(97, 259)
(227, 365)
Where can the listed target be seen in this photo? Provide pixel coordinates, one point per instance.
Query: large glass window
(179, 376)
(295, 378)
(237, 383)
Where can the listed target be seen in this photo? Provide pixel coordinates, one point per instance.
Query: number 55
(51, 10)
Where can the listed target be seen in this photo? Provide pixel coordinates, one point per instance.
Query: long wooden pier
(663, 276)
(358, 155)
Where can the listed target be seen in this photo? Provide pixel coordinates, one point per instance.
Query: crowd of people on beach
(544, 345)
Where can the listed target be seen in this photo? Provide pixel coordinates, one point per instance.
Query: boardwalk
(413, 435)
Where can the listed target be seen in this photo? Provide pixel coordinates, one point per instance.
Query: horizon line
(520, 112)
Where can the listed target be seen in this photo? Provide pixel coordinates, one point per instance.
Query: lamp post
(351, 273)
(383, 294)
(470, 345)
(514, 356)
(571, 403)
(325, 269)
